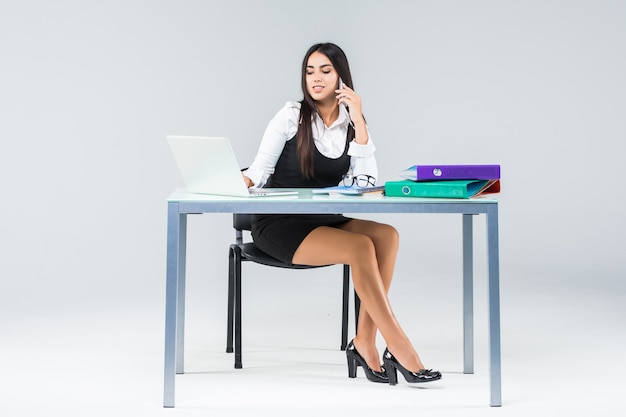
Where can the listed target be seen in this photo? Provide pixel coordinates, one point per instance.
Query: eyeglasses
(361, 180)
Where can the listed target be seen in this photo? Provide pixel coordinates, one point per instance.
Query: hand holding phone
(351, 101)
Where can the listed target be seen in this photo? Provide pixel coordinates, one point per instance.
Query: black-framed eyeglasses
(361, 180)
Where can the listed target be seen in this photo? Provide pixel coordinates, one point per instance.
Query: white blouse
(330, 141)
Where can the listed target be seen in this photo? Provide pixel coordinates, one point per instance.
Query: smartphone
(340, 87)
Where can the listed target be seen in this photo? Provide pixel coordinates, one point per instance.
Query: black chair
(240, 251)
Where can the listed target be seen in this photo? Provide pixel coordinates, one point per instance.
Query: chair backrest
(242, 221)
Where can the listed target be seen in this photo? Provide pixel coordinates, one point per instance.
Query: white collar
(343, 118)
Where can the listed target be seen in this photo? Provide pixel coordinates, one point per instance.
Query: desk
(181, 203)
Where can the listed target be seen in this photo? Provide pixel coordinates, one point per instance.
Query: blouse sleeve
(362, 158)
(280, 129)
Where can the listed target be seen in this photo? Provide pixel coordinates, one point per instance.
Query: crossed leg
(370, 249)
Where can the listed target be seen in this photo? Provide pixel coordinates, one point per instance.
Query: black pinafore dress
(279, 235)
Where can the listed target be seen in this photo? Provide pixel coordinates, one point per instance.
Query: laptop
(208, 166)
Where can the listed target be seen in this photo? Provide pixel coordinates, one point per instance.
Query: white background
(89, 90)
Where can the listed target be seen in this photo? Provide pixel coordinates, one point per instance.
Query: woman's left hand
(352, 100)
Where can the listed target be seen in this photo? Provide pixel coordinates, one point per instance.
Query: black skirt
(280, 235)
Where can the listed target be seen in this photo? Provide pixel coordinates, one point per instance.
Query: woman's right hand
(247, 180)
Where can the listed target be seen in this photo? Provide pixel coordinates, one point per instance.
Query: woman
(319, 142)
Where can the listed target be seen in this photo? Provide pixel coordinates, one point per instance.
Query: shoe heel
(392, 372)
(355, 360)
(351, 364)
(392, 366)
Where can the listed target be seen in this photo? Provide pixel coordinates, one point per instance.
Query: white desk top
(306, 196)
(306, 202)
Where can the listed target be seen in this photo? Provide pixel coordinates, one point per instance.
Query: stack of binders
(446, 181)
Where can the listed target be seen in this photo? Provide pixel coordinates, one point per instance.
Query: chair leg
(345, 307)
(231, 301)
(357, 309)
(237, 274)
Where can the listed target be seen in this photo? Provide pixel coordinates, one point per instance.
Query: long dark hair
(304, 135)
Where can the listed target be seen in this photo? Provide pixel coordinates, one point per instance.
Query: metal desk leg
(176, 236)
(468, 294)
(494, 306)
(180, 304)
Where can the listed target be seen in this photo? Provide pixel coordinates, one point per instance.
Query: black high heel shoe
(392, 366)
(355, 359)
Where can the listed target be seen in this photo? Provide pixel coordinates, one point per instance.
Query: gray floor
(563, 352)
